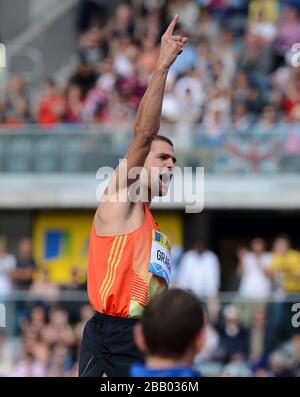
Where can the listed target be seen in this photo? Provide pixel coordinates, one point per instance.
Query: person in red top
(51, 109)
(129, 258)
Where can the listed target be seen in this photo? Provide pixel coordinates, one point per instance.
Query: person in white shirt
(199, 271)
(7, 265)
(254, 284)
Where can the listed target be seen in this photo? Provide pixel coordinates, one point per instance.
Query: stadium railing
(81, 148)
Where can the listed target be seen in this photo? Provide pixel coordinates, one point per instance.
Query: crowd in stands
(249, 333)
(236, 71)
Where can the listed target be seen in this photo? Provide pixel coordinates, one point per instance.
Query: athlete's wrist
(162, 67)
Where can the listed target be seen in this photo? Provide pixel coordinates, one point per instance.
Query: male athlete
(129, 259)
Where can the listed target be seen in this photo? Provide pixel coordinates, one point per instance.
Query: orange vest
(119, 281)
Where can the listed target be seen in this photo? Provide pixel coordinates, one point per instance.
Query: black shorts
(108, 347)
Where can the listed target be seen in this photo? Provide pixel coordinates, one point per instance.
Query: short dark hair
(164, 139)
(283, 236)
(170, 322)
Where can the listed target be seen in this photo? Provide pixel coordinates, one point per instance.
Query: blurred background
(76, 72)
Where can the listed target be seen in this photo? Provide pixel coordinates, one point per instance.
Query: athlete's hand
(171, 46)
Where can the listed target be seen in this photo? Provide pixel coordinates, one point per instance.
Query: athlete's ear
(200, 339)
(139, 337)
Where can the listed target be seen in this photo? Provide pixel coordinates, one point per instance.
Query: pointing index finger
(172, 25)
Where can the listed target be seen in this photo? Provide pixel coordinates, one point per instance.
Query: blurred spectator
(25, 267)
(86, 313)
(95, 108)
(210, 346)
(263, 17)
(189, 92)
(234, 338)
(51, 108)
(187, 11)
(261, 337)
(199, 271)
(147, 55)
(236, 369)
(279, 365)
(217, 113)
(117, 55)
(285, 265)
(58, 330)
(288, 29)
(170, 333)
(292, 351)
(5, 355)
(43, 289)
(75, 283)
(254, 284)
(93, 47)
(29, 367)
(267, 9)
(91, 11)
(241, 118)
(60, 364)
(74, 103)
(267, 120)
(206, 27)
(84, 77)
(7, 266)
(187, 59)
(14, 108)
(36, 321)
(122, 22)
(107, 76)
(170, 109)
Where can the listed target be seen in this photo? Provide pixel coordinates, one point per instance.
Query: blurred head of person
(25, 248)
(199, 246)
(269, 115)
(41, 353)
(232, 316)
(73, 92)
(261, 373)
(44, 275)
(38, 315)
(239, 112)
(290, 15)
(259, 318)
(123, 15)
(241, 251)
(58, 317)
(30, 339)
(84, 70)
(75, 274)
(16, 84)
(296, 345)
(281, 244)
(258, 245)
(60, 355)
(93, 37)
(51, 88)
(3, 246)
(172, 329)
(278, 363)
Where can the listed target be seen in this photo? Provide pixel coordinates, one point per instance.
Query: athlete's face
(158, 168)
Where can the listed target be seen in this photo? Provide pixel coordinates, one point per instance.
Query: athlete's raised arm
(146, 127)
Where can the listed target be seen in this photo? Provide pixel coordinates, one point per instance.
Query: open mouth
(165, 177)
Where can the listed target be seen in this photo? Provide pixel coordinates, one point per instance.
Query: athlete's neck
(153, 362)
